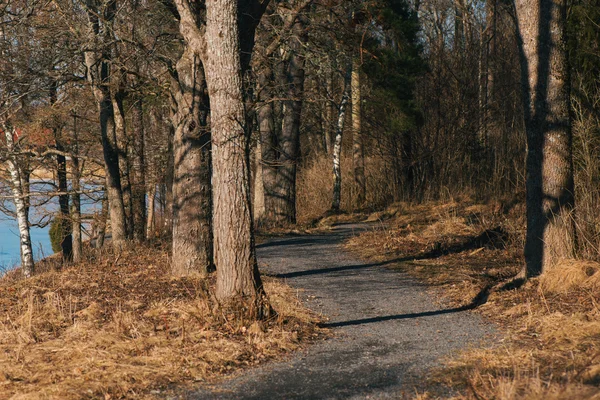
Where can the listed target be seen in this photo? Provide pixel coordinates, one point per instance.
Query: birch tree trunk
(21, 208)
(238, 279)
(546, 95)
(337, 146)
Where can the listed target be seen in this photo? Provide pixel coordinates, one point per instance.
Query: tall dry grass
(315, 186)
(586, 131)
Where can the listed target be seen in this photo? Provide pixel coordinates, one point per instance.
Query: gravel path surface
(388, 329)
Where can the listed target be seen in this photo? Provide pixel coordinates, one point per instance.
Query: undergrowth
(550, 346)
(119, 326)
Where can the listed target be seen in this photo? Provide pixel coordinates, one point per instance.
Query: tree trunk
(76, 210)
(124, 165)
(76, 197)
(268, 143)
(328, 114)
(66, 243)
(281, 149)
(151, 206)
(101, 224)
(358, 153)
(289, 141)
(139, 173)
(337, 146)
(546, 91)
(169, 178)
(21, 208)
(259, 188)
(192, 205)
(98, 75)
(238, 279)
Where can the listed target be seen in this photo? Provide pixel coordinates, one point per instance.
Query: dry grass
(121, 327)
(551, 326)
(315, 186)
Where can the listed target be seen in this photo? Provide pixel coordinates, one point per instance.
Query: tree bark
(259, 188)
(546, 95)
(139, 173)
(238, 279)
(124, 162)
(66, 243)
(64, 220)
(192, 205)
(21, 207)
(76, 198)
(268, 142)
(98, 75)
(76, 210)
(101, 224)
(281, 147)
(337, 146)
(358, 153)
(151, 213)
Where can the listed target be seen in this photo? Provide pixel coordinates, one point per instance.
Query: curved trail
(388, 329)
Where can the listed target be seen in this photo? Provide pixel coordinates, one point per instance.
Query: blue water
(10, 254)
(9, 243)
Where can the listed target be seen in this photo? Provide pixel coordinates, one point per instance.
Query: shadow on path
(395, 317)
(479, 299)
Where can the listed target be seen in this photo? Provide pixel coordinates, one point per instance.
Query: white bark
(337, 149)
(27, 265)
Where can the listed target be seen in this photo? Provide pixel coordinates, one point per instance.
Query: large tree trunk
(289, 142)
(238, 279)
(192, 205)
(358, 153)
(546, 91)
(21, 207)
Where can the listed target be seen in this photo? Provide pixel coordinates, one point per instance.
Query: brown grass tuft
(120, 326)
(570, 275)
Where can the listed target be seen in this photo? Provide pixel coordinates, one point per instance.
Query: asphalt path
(389, 331)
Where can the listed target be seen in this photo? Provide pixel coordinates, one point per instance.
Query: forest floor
(388, 331)
(120, 326)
